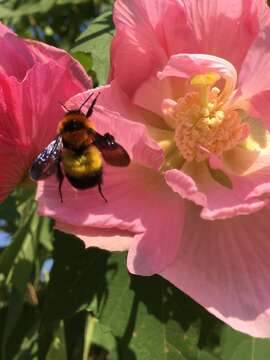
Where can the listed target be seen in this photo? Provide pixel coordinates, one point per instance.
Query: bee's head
(73, 121)
(73, 125)
(73, 129)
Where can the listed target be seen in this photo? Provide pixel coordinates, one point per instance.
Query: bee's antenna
(63, 106)
(91, 108)
(85, 101)
(101, 193)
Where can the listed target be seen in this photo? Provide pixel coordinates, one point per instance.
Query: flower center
(203, 125)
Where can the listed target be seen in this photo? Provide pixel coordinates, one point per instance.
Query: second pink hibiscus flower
(189, 99)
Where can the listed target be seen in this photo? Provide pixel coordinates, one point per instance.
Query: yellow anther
(250, 144)
(220, 114)
(201, 125)
(205, 112)
(206, 121)
(211, 121)
(208, 79)
(211, 106)
(168, 111)
(215, 131)
(215, 90)
(204, 82)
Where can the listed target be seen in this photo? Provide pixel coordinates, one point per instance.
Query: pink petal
(136, 53)
(185, 186)
(14, 162)
(44, 53)
(248, 193)
(260, 107)
(255, 72)
(134, 194)
(4, 30)
(225, 28)
(15, 58)
(115, 99)
(224, 265)
(19, 55)
(88, 205)
(150, 31)
(187, 65)
(112, 114)
(157, 246)
(30, 109)
(107, 239)
(173, 29)
(30, 113)
(151, 94)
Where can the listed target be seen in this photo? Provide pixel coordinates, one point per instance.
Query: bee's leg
(60, 178)
(90, 110)
(101, 193)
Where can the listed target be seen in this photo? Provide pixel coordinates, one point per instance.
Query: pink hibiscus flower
(189, 100)
(34, 77)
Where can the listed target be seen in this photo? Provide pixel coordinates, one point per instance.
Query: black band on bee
(73, 125)
(86, 182)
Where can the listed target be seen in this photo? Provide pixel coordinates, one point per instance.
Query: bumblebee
(77, 152)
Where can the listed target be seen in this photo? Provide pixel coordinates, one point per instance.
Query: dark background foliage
(60, 301)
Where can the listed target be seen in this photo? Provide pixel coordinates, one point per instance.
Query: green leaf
(77, 277)
(16, 263)
(84, 59)
(65, 2)
(45, 233)
(88, 335)
(8, 257)
(103, 338)
(14, 207)
(57, 350)
(74, 331)
(237, 346)
(9, 213)
(153, 320)
(20, 8)
(12, 9)
(96, 40)
(23, 344)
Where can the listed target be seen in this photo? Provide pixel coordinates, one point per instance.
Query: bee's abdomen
(87, 181)
(83, 169)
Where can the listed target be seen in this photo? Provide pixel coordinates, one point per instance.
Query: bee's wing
(46, 162)
(113, 153)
